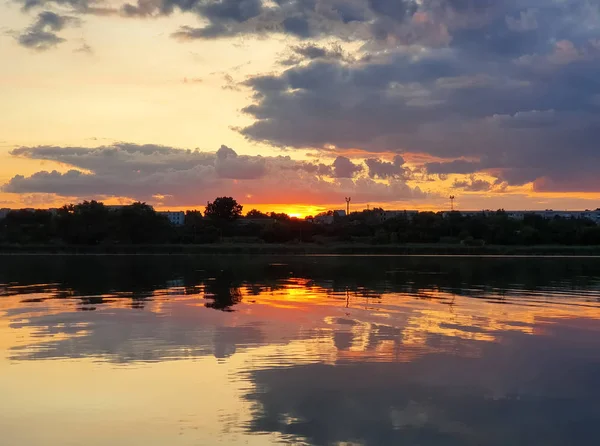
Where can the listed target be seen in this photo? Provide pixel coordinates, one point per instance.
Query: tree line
(93, 223)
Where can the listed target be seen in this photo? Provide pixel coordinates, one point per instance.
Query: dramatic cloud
(472, 185)
(344, 168)
(229, 164)
(384, 169)
(509, 91)
(189, 177)
(456, 166)
(526, 21)
(310, 51)
(42, 34)
(95, 7)
(347, 19)
(503, 87)
(387, 22)
(317, 52)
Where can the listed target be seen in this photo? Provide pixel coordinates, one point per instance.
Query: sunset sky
(293, 105)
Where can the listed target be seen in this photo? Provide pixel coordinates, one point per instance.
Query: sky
(294, 105)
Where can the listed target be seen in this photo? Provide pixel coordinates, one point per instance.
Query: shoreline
(433, 249)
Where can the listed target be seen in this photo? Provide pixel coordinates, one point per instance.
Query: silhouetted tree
(139, 223)
(224, 292)
(193, 227)
(85, 223)
(193, 219)
(224, 209)
(24, 226)
(255, 213)
(281, 216)
(92, 223)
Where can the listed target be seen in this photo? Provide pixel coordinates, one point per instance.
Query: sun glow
(297, 211)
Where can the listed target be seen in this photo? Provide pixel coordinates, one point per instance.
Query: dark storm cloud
(235, 10)
(307, 52)
(224, 16)
(311, 51)
(42, 34)
(456, 166)
(397, 10)
(75, 4)
(216, 11)
(516, 88)
(298, 26)
(329, 103)
(93, 7)
(299, 18)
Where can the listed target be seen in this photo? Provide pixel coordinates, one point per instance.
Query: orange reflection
(293, 318)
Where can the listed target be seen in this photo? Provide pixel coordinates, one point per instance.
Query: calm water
(299, 350)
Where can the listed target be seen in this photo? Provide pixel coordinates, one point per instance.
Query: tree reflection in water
(100, 279)
(223, 291)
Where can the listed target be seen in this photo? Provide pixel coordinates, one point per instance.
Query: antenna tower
(452, 197)
(348, 199)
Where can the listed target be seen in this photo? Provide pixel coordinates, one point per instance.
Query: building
(4, 212)
(176, 218)
(325, 219)
(592, 215)
(516, 215)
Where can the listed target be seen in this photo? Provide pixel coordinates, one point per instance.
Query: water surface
(299, 350)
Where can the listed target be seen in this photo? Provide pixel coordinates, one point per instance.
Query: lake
(316, 350)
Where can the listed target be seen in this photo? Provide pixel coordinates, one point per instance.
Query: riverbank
(304, 249)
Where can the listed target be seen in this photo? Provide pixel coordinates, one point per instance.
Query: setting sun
(298, 211)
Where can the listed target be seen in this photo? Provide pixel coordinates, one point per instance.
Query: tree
(255, 213)
(282, 216)
(193, 226)
(84, 223)
(139, 223)
(25, 226)
(193, 218)
(223, 208)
